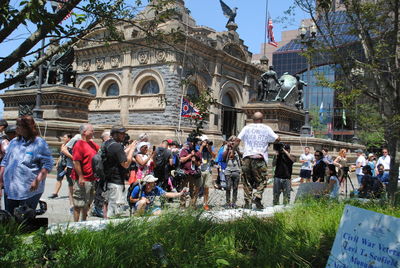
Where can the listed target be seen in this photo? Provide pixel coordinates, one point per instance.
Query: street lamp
(307, 39)
(356, 73)
(37, 111)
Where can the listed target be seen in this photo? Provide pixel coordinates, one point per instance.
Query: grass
(301, 237)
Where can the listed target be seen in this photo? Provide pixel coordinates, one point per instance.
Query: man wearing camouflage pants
(256, 137)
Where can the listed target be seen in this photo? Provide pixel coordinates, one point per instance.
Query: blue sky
(250, 19)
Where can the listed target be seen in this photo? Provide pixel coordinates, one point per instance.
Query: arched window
(228, 101)
(92, 89)
(112, 90)
(192, 92)
(150, 87)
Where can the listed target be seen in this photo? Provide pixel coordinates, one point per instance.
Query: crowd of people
(372, 175)
(98, 174)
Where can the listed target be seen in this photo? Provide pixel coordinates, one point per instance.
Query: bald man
(256, 138)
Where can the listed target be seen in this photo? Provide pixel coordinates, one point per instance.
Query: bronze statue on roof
(228, 12)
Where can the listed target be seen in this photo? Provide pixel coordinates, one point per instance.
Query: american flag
(57, 5)
(271, 38)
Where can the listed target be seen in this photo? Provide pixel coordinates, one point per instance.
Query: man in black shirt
(283, 174)
(318, 173)
(116, 170)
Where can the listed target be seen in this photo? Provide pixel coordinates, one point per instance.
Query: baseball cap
(117, 129)
(203, 137)
(358, 151)
(3, 123)
(149, 178)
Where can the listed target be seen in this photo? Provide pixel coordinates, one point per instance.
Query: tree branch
(40, 33)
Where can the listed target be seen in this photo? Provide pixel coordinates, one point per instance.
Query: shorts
(67, 173)
(82, 196)
(150, 209)
(206, 179)
(115, 193)
(305, 174)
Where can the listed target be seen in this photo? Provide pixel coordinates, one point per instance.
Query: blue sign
(366, 239)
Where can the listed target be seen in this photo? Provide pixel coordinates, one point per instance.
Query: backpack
(159, 159)
(129, 193)
(98, 162)
(175, 160)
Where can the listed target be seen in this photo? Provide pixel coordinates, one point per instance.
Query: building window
(92, 89)
(150, 87)
(192, 92)
(227, 101)
(112, 90)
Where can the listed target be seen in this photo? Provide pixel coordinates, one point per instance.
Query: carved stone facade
(139, 86)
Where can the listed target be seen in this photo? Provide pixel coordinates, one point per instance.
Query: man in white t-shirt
(360, 162)
(384, 160)
(306, 161)
(255, 137)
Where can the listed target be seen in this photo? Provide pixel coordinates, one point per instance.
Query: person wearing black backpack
(116, 164)
(163, 161)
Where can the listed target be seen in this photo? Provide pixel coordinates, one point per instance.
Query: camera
(126, 140)
(279, 146)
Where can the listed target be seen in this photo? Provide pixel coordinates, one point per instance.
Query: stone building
(138, 84)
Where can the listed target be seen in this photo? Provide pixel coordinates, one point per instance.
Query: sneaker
(53, 196)
(97, 212)
(257, 202)
(206, 207)
(233, 205)
(227, 206)
(247, 205)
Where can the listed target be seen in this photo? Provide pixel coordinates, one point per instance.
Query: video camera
(26, 216)
(193, 137)
(126, 140)
(279, 146)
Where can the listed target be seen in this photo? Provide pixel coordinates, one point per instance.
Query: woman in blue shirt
(25, 166)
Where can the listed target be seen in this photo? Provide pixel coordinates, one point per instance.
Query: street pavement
(58, 209)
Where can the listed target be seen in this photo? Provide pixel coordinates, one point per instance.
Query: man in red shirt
(82, 175)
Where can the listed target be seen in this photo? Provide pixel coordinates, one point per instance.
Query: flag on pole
(271, 38)
(188, 110)
(344, 117)
(321, 113)
(330, 128)
(57, 5)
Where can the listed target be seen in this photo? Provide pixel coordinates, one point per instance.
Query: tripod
(346, 178)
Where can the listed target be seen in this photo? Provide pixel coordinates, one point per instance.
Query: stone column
(216, 86)
(125, 90)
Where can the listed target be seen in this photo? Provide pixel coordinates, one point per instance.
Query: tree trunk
(392, 142)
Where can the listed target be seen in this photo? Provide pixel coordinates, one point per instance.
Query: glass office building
(289, 59)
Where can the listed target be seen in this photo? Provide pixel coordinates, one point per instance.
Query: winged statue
(228, 12)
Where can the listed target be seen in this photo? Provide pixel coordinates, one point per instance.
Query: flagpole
(266, 28)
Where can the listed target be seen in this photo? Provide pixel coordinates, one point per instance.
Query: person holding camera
(256, 138)
(116, 167)
(206, 149)
(283, 173)
(231, 172)
(190, 161)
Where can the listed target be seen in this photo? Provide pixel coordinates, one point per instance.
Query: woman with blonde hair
(341, 163)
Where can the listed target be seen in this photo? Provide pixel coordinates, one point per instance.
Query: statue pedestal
(279, 116)
(231, 26)
(64, 109)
